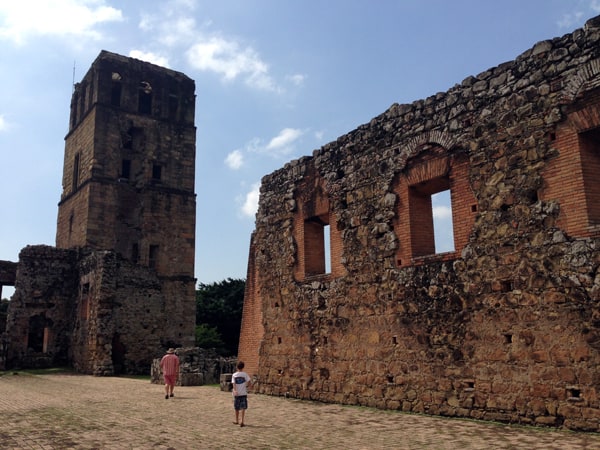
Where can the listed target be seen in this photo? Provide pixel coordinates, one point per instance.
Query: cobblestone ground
(66, 411)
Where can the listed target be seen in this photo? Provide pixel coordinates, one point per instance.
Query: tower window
(153, 256)
(75, 172)
(135, 252)
(156, 172)
(173, 106)
(125, 168)
(145, 98)
(115, 93)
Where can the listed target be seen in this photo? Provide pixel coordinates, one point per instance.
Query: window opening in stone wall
(125, 169)
(135, 253)
(589, 145)
(6, 292)
(85, 301)
(173, 106)
(422, 216)
(35, 337)
(327, 246)
(90, 100)
(71, 220)
(153, 256)
(116, 88)
(156, 172)
(145, 98)
(316, 239)
(82, 98)
(75, 172)
(443, 229)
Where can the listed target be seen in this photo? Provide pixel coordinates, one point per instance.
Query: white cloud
(173, 25)
(442, 212)
(297, 79)
(229, 59)
(3, 123)
(283, 142)
(169, 28)
(250, 205)
(22, 19)
(150, 57)
(234, 160)
(570, 20)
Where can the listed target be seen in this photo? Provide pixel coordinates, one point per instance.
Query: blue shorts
(240, 402)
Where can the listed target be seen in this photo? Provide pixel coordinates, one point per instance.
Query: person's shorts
(240, 402)
(170, 379)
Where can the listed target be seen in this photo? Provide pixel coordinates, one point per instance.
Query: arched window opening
(116, 88)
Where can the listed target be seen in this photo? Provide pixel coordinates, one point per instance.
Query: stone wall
(92, 310)
(504, 327)
(197, 367)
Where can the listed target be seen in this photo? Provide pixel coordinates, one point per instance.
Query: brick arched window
(432, 171)
(572, 177)
(319, 242)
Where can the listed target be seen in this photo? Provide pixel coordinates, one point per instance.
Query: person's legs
(169, 384)
(242, 414)
(237, 414)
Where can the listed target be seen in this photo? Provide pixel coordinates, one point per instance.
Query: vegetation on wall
(219, 315)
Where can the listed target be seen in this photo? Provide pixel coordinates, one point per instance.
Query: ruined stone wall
(504, 327)
(94, 311)
(197, 367)
(41, 307)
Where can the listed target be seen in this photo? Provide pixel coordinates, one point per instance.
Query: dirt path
(62, 411)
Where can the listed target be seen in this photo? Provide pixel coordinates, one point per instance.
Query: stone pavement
(68, 411)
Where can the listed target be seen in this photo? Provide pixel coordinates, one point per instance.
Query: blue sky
(275, 79)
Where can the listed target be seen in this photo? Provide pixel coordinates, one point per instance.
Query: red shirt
(170, 364)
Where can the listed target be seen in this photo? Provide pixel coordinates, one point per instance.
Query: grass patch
(48, 371)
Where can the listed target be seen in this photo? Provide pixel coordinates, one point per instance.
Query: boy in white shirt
(241, 382)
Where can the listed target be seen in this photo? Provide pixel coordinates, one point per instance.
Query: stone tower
(128, 174)
(119, 288)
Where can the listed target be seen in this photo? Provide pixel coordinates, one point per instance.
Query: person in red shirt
(169, 364)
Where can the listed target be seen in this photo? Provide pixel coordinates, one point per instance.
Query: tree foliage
(219, 315)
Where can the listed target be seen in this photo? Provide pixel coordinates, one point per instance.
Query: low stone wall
(197, 367)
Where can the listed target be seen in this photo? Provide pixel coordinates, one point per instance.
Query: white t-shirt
(240, 381)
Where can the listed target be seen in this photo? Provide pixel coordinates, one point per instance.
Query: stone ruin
(197, 367)
(119, 288)
(504, 327)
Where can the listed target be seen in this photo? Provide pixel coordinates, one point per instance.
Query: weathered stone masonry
(507, 326)
(119, 288)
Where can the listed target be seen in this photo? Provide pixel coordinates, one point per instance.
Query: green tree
(209, 337)
(219, 307)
